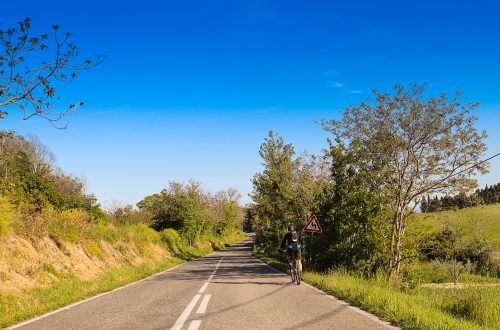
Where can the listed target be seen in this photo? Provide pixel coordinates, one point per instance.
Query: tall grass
(421, 308)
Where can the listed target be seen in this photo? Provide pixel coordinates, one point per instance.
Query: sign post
(311, 249)
(312, 227)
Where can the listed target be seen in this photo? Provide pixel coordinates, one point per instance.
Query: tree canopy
(414, 146)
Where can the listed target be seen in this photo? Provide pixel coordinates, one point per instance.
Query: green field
(484, 218)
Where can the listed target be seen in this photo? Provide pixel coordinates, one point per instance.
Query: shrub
(141, 234)
(173, 240)
(93, 250)
(49, 268)
(103, 231)
(478, 252)
(76, 216)
(5, 215)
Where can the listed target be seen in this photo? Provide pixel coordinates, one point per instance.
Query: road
(228, 289)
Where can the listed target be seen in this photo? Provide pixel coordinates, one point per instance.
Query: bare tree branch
(33, 89)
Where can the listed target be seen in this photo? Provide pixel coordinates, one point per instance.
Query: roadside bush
(494, 265)
(93, 250)
(141, 234)
(29, 223)
(438, 245)
(103, 231)
(5, 216)
(173, 240)
(480, 254)
(76, 216)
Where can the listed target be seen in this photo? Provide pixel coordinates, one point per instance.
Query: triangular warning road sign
(313, 225)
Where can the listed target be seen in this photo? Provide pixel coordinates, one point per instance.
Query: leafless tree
(40, 157)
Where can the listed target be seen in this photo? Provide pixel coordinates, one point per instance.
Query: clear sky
(189, 89)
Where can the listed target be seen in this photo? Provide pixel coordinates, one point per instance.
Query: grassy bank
(41, 274)
(418, 308)
(485, 218)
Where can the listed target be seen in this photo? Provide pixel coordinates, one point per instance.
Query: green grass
(419, 308)
(485, 218)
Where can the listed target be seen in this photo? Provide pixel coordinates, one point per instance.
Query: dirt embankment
(26, 263)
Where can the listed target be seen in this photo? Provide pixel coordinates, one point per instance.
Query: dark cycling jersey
(292, 240)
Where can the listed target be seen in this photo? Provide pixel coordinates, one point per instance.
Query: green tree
(28, 176)
(421, 146)
(285, 192)
(226, 212)
(183, 207)
(352, 216)
(273, 189)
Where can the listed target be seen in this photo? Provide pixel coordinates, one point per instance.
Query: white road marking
(203, 287)
(185, 314)
(204, 303)
(195, 324)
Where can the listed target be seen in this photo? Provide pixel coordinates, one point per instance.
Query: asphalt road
(225, 290)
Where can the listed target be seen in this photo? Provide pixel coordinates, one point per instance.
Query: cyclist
(293, 243)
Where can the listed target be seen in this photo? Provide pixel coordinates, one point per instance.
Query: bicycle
(295, 273)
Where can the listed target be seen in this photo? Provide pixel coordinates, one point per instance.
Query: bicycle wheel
(292, 272)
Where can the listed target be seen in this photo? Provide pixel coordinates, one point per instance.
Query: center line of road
(185, 314)
(203, 287)
(204, 303)
(195, 324)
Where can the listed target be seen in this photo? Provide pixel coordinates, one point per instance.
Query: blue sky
(189, 89)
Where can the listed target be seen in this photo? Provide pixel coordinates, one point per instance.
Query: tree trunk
(398, 230)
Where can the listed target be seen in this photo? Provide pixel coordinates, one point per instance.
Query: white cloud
(336, 84)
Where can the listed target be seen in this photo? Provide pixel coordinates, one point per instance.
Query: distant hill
(486, 218)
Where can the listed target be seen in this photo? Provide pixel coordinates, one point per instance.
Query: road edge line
(366, 314)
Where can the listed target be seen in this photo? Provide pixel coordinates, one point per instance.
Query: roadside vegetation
(386, 158)
(58, 245)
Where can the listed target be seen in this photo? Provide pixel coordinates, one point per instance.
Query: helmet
(290, 227)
